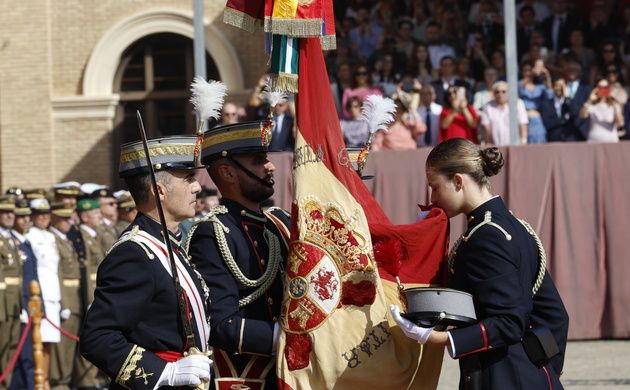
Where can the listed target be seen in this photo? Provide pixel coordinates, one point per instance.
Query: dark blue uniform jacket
(134, 314)
(498, 266)
(242, 332)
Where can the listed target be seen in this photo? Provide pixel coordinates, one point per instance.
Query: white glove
(65, 314)
(410, 329)
(24, 316)
(188, 371)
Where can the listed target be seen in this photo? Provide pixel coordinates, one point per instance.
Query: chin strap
(250, 173)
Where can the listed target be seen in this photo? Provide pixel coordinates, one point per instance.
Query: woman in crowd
(603, 113)
(355, 130)
(404, 132)
(608, 54)
(533, 88)
(386, 77)
(361, 87)
(458, 118)
(420, 65)
(497, 261)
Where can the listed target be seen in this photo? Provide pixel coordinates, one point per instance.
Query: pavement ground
(588, 365)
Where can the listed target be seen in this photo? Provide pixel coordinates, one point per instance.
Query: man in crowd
(45, 250)
(134, 330)
(495, 117)
(62, 354)
(11, 279)
(243, 313)
(24, 371)
(429, 112)
(126, 211)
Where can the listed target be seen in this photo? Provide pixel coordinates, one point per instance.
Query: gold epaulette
(131, 236)
(211, 216)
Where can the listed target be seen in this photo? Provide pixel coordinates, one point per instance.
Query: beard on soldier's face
(256, 191)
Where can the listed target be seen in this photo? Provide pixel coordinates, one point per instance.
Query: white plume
(378, 112)
(207, 97)
(273, 97)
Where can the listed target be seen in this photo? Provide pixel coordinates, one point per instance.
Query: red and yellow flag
(337, 331)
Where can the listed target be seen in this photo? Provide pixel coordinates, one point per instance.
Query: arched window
(154, 77)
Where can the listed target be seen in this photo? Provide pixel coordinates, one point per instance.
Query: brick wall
(44, 48)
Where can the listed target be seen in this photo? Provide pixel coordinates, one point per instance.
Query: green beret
(87, 204)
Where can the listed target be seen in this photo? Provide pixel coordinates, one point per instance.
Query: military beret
(87, 204)
(167, 153)
(237, 138)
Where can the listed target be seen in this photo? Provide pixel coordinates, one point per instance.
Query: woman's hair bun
(491, 161)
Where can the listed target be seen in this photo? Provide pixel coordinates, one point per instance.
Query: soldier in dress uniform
(12, 283)
(89, 211)
(62, 354)
(126, 211)
(499, 260)
(109, 211)
(45, 250)
(134, 331)
(24, 371)
(241, 251)
(67, 192)
(90, 254)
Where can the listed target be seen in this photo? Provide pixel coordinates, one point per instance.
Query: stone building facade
(60, 79)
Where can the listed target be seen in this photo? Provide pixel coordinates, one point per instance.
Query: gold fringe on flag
(284, 82)
(299, 28)
(329, 42)
(241, 20)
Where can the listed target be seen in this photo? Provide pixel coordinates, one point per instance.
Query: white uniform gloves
(188, 371)
(65, 314)
(410, 329)
(24, 316)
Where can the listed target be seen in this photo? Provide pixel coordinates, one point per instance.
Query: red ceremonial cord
(63, 331)
(18, 350)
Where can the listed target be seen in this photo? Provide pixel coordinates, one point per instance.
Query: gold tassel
(287, 82)
(329, 42)
(241, 20)
(298, 28)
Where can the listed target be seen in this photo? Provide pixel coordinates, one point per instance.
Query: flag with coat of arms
(343, 261)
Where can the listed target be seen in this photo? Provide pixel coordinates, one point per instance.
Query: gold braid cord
(273, 266)
(542, 267)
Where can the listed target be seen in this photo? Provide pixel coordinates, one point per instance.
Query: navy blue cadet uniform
(498, 264)
(241, 332)
(24, 371)
(135, 313)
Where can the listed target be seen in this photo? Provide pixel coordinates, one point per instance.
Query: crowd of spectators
(444, 64)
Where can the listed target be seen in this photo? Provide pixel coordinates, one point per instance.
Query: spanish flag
(336, 329)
